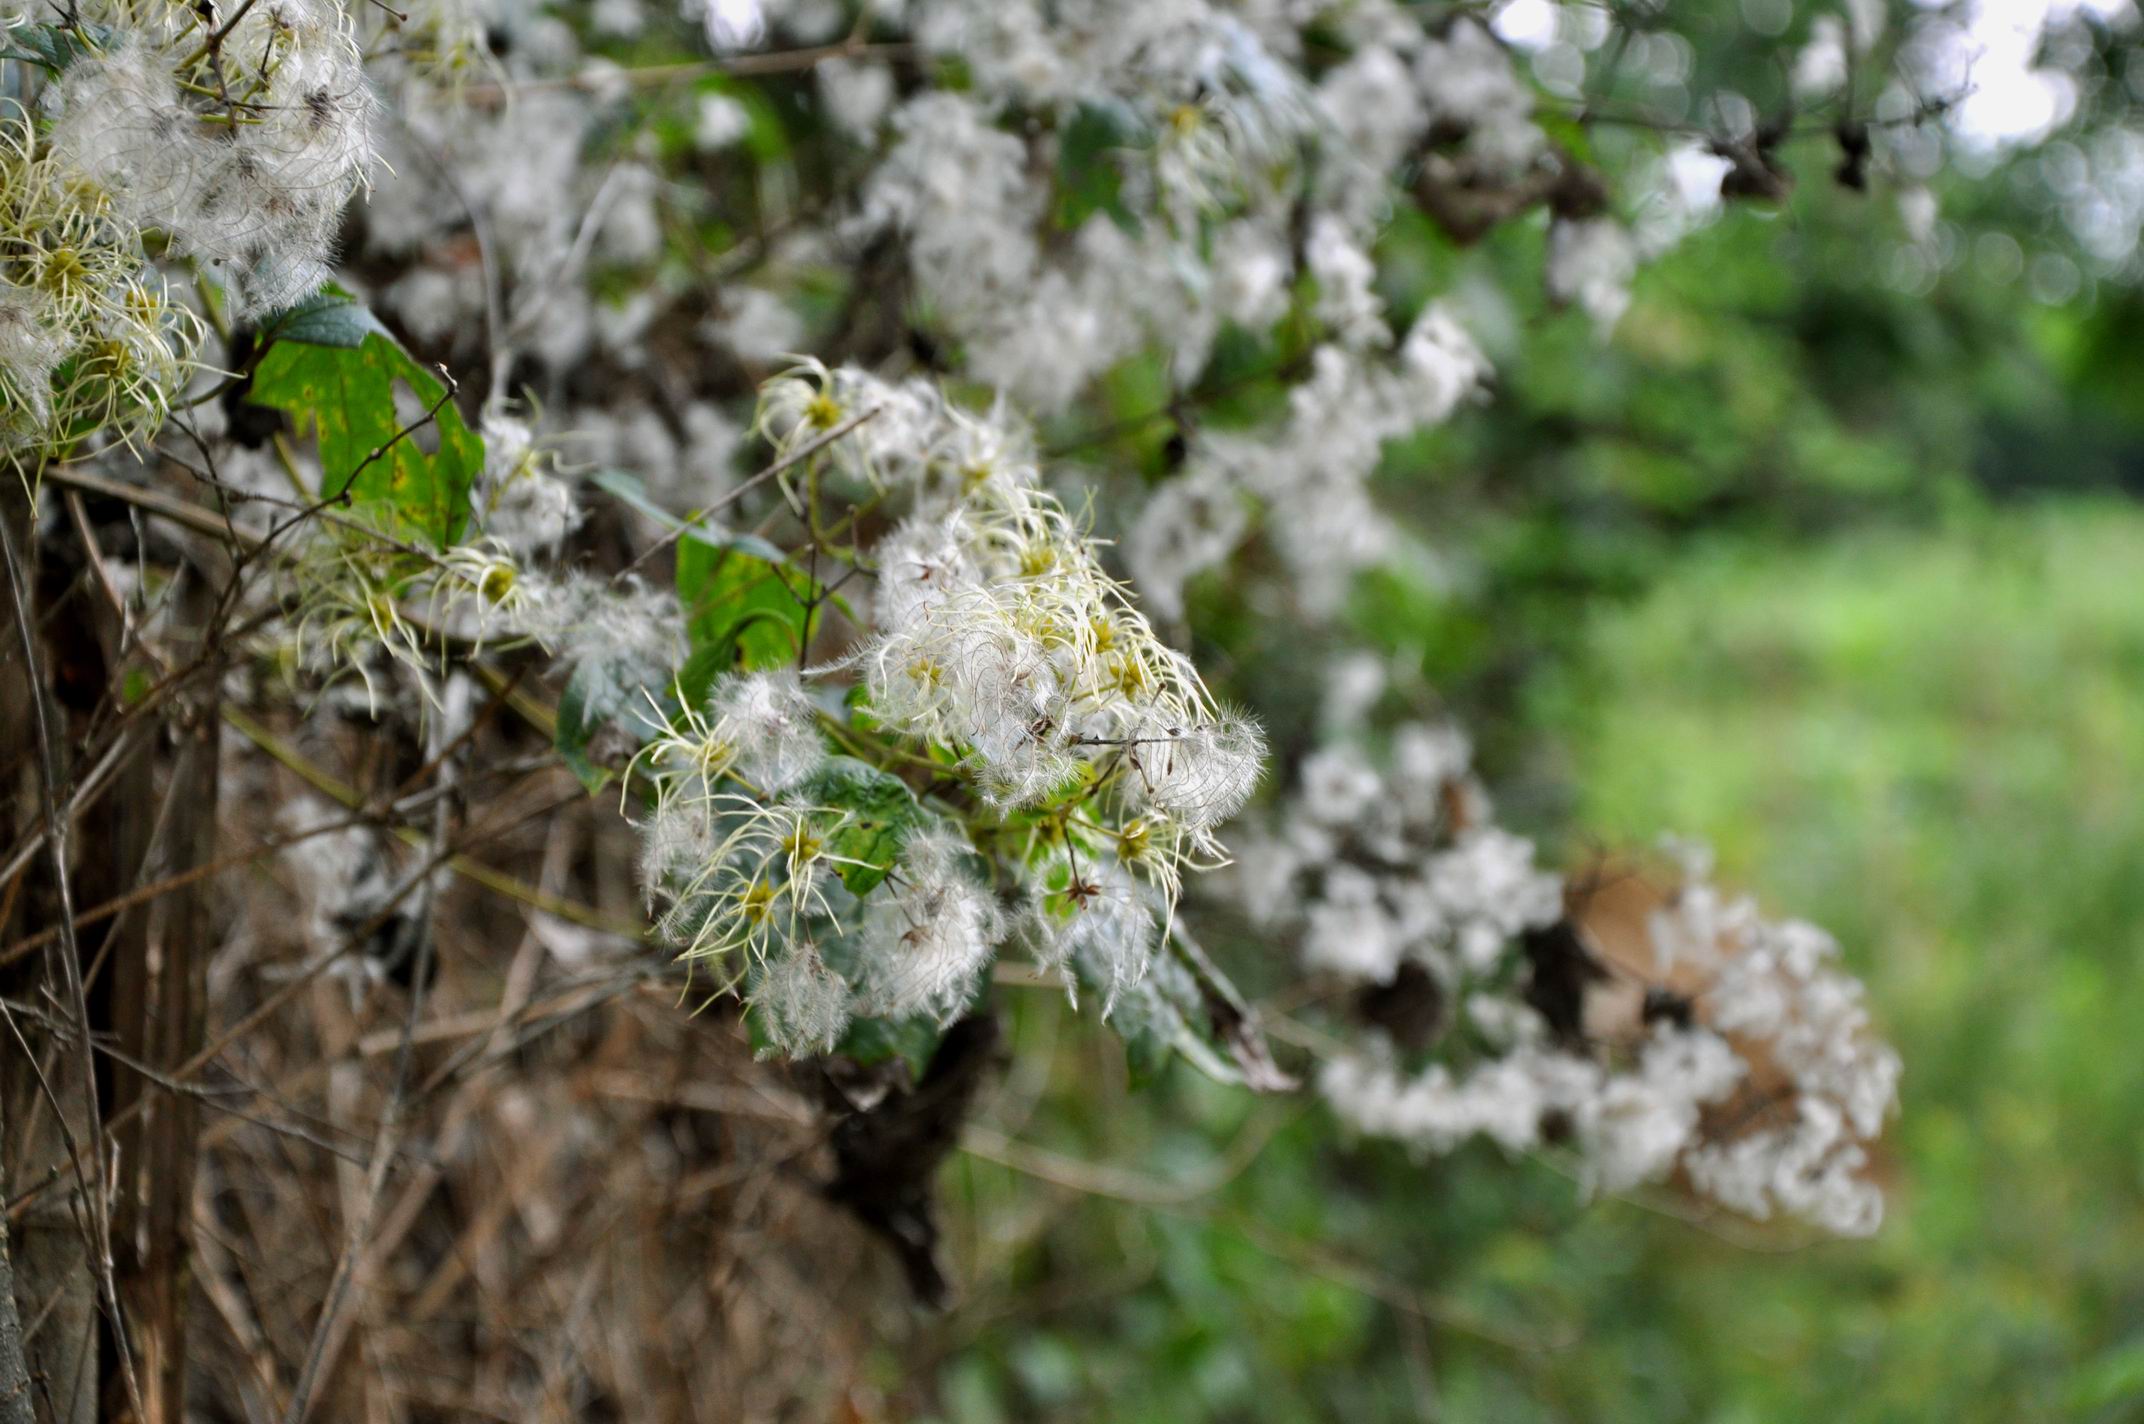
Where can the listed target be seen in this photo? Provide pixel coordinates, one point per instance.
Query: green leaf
(699, 671)
(1158, 1016)
(55, 46)
(1089, 177)
(742, 612)
(2114, 1377)
(329, 317)
(1184, 1005)
(882, 813)
(868, 1041)
(346, 396)
(591, 701)
(872, 1041)
(1570, 132)
(628, 488)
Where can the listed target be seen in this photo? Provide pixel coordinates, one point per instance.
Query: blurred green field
(1930, 742)
(1932, 745)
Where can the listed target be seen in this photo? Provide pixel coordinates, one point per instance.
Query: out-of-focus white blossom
(1763, 1094)
(757, 324)
(730, 24)
(857, 96)
(1468, 84)
(1591, 263)
(1193, 523)
(1403, 865)
(718, 122)
(520, 499)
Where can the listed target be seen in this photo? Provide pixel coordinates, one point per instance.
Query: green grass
(1935, 747)
(1932, 744)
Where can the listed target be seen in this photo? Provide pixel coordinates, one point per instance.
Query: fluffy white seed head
(1094, 925)
(928, 932)
(803, 1004)
(1200, 776)
(770, 726)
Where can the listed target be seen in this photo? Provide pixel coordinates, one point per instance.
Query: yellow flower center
(64, 270)
(714, 755)
(381, 610)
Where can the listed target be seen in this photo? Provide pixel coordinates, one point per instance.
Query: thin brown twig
(211, 1097)
(386, 1144)
(69, 960)
(193, 516)
(788, 461)
(157, 889)
(86, 793)
(449, 387)
(792, 61)
(359, 936)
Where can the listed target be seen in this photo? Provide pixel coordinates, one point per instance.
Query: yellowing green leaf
(345, 396)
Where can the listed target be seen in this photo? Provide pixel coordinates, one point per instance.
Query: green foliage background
(1842, 580)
